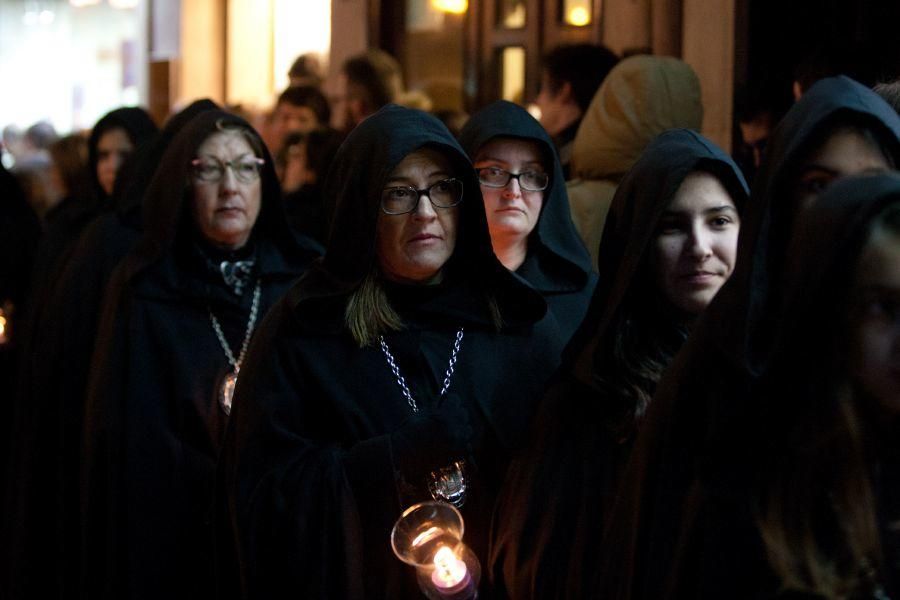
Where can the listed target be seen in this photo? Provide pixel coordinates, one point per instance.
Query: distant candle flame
(579, 16)
(448, 570)
(455, 7)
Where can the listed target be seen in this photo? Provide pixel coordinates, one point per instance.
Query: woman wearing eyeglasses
(527, 211)
(402, 367)
(179, 314)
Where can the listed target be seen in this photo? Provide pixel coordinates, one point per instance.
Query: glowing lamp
(578, 16)
(454, 7)
(428, 536)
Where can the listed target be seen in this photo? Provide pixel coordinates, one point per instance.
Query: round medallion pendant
(226, 392)
(449, 484)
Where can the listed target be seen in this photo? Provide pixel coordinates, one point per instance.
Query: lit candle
(451, 578)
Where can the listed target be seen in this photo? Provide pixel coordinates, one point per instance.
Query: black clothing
(564, 142)
(308, 212)
(43, 500)
(801, 385)
(547, 529)
(153, 421)
(557, 264)
(311, 476)
(727, 351)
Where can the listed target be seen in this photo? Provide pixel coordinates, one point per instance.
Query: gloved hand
(433, 438)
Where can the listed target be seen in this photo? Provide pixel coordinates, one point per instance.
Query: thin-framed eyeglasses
(400, 200)
(495, 177)
(210, 169)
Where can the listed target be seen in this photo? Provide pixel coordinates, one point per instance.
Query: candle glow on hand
(448, 570)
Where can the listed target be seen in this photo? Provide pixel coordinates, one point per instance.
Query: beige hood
(639, 99)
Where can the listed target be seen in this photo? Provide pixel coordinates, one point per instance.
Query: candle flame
(449, 570)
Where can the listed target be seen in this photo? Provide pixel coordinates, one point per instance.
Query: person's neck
(568, 116)
(433, 280)
(511, 251)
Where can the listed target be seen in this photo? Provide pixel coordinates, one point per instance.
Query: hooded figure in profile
(531, 229)
(215, 254)
(408, 349)
(675, 215)
(838, 128)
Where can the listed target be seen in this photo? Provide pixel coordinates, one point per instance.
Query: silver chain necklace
(446, 484)
(226, 390)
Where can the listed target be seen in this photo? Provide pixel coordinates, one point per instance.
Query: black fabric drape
(43, 497)
(309, 480)
(153, 424)
(546, 539)
(727, 350)
(557, 264)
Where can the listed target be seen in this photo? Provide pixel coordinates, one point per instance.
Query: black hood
(137, 124)
(165, 210)
(561, 262)
(354, 184)
(639, 203)
(139, 168)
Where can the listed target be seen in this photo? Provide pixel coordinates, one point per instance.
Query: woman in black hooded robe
(549, 519)
(215, 253)
(42, 502)
(323, 451)
(815, 510)
(555, 261)
(729, 346)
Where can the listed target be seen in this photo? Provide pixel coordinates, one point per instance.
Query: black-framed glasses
(210, 169)
(400, 200)
(495, 177)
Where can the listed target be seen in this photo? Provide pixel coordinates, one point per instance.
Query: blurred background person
(298, 110)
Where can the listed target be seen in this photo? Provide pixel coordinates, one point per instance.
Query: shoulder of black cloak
(559, 260)
(354, 183)
(165, 218)
(141, 165)
(20, 230)
(639, 202)
(134, 120)
(765, 227)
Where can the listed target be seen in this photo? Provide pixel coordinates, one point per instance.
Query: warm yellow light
(448, 570)
(578, 16)
(455, 7)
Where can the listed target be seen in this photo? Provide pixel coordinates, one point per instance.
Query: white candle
(449, 571)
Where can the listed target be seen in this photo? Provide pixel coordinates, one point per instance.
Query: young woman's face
(846, 152)
(113, 148)
(696, 243)
(876, 321)
(227, 189)
(511, 211)
(413, 247)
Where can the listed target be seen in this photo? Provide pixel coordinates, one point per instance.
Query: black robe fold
(557, 264)
(43, 496)
(309, 483)
(727, 351)
(153, 423)
(548, 526)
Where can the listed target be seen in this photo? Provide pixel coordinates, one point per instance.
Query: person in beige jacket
(640, 98)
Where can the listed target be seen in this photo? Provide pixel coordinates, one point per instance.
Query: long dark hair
(815, 502)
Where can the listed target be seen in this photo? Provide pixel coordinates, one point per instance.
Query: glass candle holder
(428, 536)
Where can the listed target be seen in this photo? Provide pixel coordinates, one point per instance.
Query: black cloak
(549, 520)
(557, 264)
(799, 391)
(309, 472)
(726, 352)
(153, 423)
(43, 501)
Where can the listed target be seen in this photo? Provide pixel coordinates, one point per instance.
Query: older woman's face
(227, 189)
(413, 247)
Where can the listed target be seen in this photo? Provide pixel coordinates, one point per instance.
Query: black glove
(432, 438)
